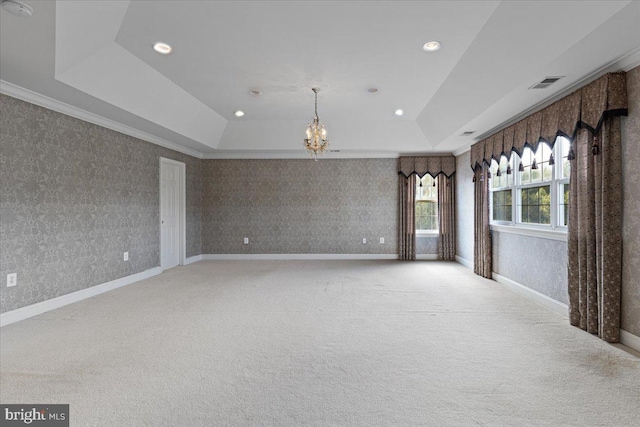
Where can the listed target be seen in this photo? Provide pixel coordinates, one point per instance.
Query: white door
(169, 215)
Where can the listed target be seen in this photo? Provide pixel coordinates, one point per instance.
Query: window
(532, 190)
(427, 204)
(501, 183)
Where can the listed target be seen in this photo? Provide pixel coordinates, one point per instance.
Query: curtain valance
(585, 108)
(432, 165)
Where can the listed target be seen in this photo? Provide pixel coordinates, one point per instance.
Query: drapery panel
(586, 108)
(595, 231)
(432, 165)
(446, 218)
(589, 117)
(482, 252)
(407, 215)
(410, 169)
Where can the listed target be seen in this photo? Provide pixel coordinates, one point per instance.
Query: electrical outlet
(126, 256)
(364, 240)
(382, 240)
(246, 240)
(12, 279)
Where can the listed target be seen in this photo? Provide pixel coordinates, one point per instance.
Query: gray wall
(426, 245)
(300, 206)
(519, 258)
(537, 263)
(631, 212)
(464, 207)
(75, 196)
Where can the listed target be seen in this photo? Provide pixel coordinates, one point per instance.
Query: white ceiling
(97, 56)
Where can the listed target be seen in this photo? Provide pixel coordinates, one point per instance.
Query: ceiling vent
(548, 81)
(468, 132)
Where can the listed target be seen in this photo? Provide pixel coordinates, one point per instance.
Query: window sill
(531, 232)
(427, 233)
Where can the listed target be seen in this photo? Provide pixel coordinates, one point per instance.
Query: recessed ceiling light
(399, 112)
(239, 113)
(255, 92)
(17, 8)
(162, 48)
(372, 90)
(431, 46)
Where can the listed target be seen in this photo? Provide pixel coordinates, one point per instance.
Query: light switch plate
(364, 240)
(246, 240)
(126, 256)
(382, 240)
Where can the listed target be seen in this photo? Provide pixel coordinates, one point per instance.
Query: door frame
(182, 191)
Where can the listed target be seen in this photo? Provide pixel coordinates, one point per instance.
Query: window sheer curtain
(589, 117)
(409, 170)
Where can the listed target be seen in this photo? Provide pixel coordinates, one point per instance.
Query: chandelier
(316, 141)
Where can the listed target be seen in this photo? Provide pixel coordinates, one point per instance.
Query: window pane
(547, 171)
(502, 205)
(536, 205)
(428, 191)
(564, 150)
(427, 203)
(426, 215)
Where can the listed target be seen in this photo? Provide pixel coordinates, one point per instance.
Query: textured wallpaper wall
(631, 212)
(73, 197)
(464, 207)
(300, 206)
(427, 245)
(520, 258)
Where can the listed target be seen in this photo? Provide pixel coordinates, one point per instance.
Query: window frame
(427, 232)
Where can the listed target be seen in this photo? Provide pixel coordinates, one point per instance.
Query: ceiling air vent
(548, 81)
(468, 132)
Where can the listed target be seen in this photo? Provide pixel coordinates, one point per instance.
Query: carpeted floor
(293, 343)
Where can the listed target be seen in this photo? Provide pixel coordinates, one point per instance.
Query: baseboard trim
(42, 307)
(427, 257)
(630, 340)
(298, 256)
(465, 262)
(192, 259)
(541, 299)
(626, 338)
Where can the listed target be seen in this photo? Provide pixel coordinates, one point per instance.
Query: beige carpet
(293, 343)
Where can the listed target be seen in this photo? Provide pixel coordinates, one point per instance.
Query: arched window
(427, 204)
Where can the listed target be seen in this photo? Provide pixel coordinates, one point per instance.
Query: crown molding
(293, 154)
(630, 61)
(466, 147)
(27, 95)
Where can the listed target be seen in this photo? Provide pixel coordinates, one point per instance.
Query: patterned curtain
(446, 218)
(407, 238)
(482, 254)
(595, 231)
